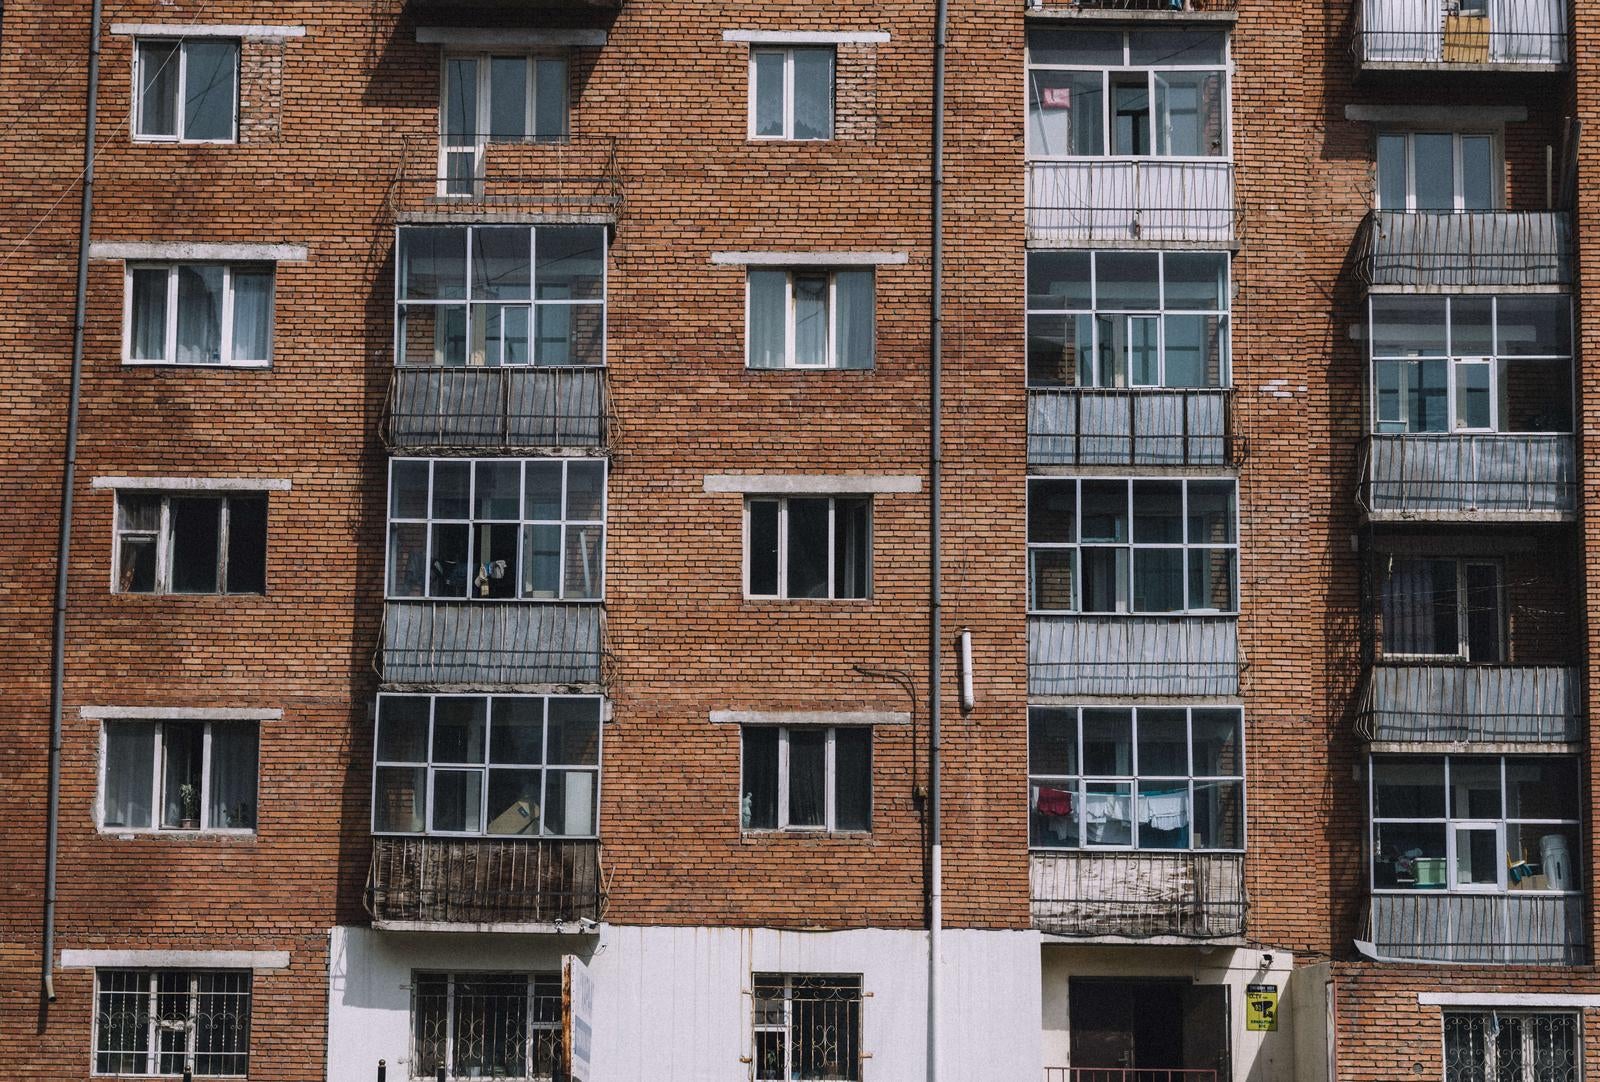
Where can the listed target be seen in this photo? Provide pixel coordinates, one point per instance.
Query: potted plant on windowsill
(189, 799)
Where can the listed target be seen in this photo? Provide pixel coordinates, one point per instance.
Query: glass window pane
(1053, 809)
(808, 544)
(1087, 48)
(1054, 345)
(210, 90)
(1130, 115)
(1108, 813)
(1408, 788)
(1409, 856)
(1163, 743)
(458, 801)
(758, 803)
(769, 79)
(403, 728)
(569, 263)
(810, 319)
(252, 315)
(1052, 508)
(247, 545)
(807, 777)
(1211, 579)
(452, 486)
(433, 263)
(1128, 280)
(408, 489)
(853, 293)
(400, 800)
(1158, 580)
(158, 88)
(501, 263)
(514, 797)
(182, 751)
(1190, 120)
(586, 486)
(542, 482)
(1478, 857)
(516, 731)
(1052, 741)
(408, 559)
(813, 93)
(570, 802)
(1419, 607)
(1475, 788)
(1194, 352)
(1542, 787)
(461, 101)
(763, 548)
(769, 299)
(550, 99)
(199, 314)
(508, 97)
(1157, 512)
(852, 551)
(1477, 173)
(1196, 281)
(1547, 856)
(1408, 326)
(1219, 815)
(1108, 742)
(574, 732)
(1163, 814)
(1104, 586)
(541, 561)
(497, 490)
(1217, 743)
(1105, 511)
(1535, 326)
(136, 571)
(1176, 47)
(1471, 326)
(130, 763)
(1065, 113)
(1473, 405)
(233, 776)
(582, 571)
(196, 534)
(458, 729)
(1211, 512)
(1050, 573)
(1433, 158)
(852, 784)
(147, 336)
(1058, 280)
(1391, 172)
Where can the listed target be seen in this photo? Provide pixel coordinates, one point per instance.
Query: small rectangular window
(486, 1025)
(188, 90)
(179, 775)
(810, 319)
(183, 544)
(809, 547)
(199, 313)
(806, 779)
(1438, 172)
(791, 93)
(806, 1026)
(172, 1022)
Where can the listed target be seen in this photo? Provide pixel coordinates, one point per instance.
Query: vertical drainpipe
(69, 468)
(935, 582)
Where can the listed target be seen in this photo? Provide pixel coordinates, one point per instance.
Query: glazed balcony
(1094, 426)
(1139, 895)
(1407, 702)
(492, 643)
(1487, 477)
(1530, 928)
(1121, 203)
(1460, 35)
(1133, 655)
(1442, 252)
(483, 884)
(509, 409)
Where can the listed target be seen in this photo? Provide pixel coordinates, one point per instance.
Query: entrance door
(1151, 1027)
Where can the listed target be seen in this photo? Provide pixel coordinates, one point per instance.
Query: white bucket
(1557, 861)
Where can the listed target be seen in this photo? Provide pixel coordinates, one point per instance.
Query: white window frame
(1497, 180)
(535, 1026)
(783, 547)
(1571, 1072)
(788, 53)
(481, 137)
(170, 339)
(158, 779)
(163, 583)
(156, 1027)
(182, 95)
(830, 821)
(1463, 650)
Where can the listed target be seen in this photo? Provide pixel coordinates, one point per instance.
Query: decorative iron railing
(1449, 703)
(477, 643)
(1129, 1074)
(484, 881)
(433, 409)
(1115, 201)
(1493, 475)
(1512, 928)
(1100, 426)
(1139, 895)
(1439, 251)
(1133, 655)
(1496, 33)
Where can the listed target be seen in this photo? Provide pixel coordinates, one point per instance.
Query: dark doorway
(1148, 1030)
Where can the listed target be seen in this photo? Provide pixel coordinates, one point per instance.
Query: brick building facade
(498, 612)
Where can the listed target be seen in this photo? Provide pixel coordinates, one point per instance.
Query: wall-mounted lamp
(967, 699)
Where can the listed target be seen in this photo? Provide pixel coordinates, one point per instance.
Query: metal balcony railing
(1139, 895)
(474, 881)
(1129, 1074)
(1133, 655)
(1514, 928)
(1096, 426)
(510, 409)
(1144, 7)
(1438, 252)
(1488, 703)
(573, 178)
(1513, 34)
(1116, 201)
(1491, 476)
(477, 643)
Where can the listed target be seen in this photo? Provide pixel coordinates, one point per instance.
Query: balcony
(1507, 929)
(1092, 426)
(1496, 35)
(1514, 704)
(484, 643)
(1130, 1074)
(1424, 252)
(481, 884)
(1487, 477)
(496, 409)
(1133, 655)
(1139, 895)
(572, 180)
(1119, 203)
(1125, 10)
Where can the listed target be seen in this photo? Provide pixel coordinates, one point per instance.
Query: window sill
(1102, 850)
(230, 366)
(752, 835)
(167, 596)
(122, 835)
(165, 141)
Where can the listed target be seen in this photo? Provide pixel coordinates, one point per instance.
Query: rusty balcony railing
(1115, 201)
(1517, 35)
(1527, 928)
(478, 881)
(1136, 8)
(1138, 895)
(573, 178)
(480, 643)
(1143, 426)
(1426, 252)
(499, 408)
(1133, 655)
(1490, 476)
(1129, 1074)
(1521, 704)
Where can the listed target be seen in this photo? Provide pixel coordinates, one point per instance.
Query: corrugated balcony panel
(1488, 703)
(1440, 252)
(495, 642)
(1499, 476)
(1094, 426)
(1114, 202)
(1139, 895)
(496, 408)
(1515, 928)
(475, 881)
(1516, 34)
(1133, 655)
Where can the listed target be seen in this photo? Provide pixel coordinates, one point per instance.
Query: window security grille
(807, 1027)
(486, 1025)
(1488, 1046)
(167, 1021)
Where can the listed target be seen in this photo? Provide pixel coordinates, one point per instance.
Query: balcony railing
(1136, 8)
(1133, 655)
(1490, 703)
(1129, 1074)
(1139, 895)
(1439, 252)
(1094, 426)
(1512, 34)
(1513, 928)
(479, 881)
(573, 178)
(1117, 202)
(476, 643)
(1484, 476)
(511, 409)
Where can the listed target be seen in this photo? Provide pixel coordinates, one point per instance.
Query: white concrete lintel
(799, 484)
(807, 37)
(1436, 115)
(810, 717)
(182, 249)
(194, 484)
(809, 259)
(208, 30)
(160, 959)
(1506, 999)
(179, 713)
(470, 37)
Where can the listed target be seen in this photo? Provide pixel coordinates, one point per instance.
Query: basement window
(810, 319)
(807, 779)
(179, 775)
(188, 90)
(199, 313)
(170, 543)
(172, 1022)
(486, 1025)
(809, 547)
(791, 93)
(806, 1026)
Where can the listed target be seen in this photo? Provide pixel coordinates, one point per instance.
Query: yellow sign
(1261, 1007)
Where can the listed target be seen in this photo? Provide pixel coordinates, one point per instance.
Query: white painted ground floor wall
(673, 1004)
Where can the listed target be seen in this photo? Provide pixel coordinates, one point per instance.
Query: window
(1475, 823)
(188, 90)
(1128, 319)
(1108, 546)
(806, 779)
(199, 313)
(791, 93)
(1472, 364)
(1443, 607)
(810, 319)
(183, 544)
(807, 1026)
(486, 1025)
(498, 529)
(169, 1021)
(496, 99)
(1145, 778)
(809, 547)
(501, 295)
(179, 775)
(1438, 171)
(1127, 94)
(496, 765)
(1496, 1046)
